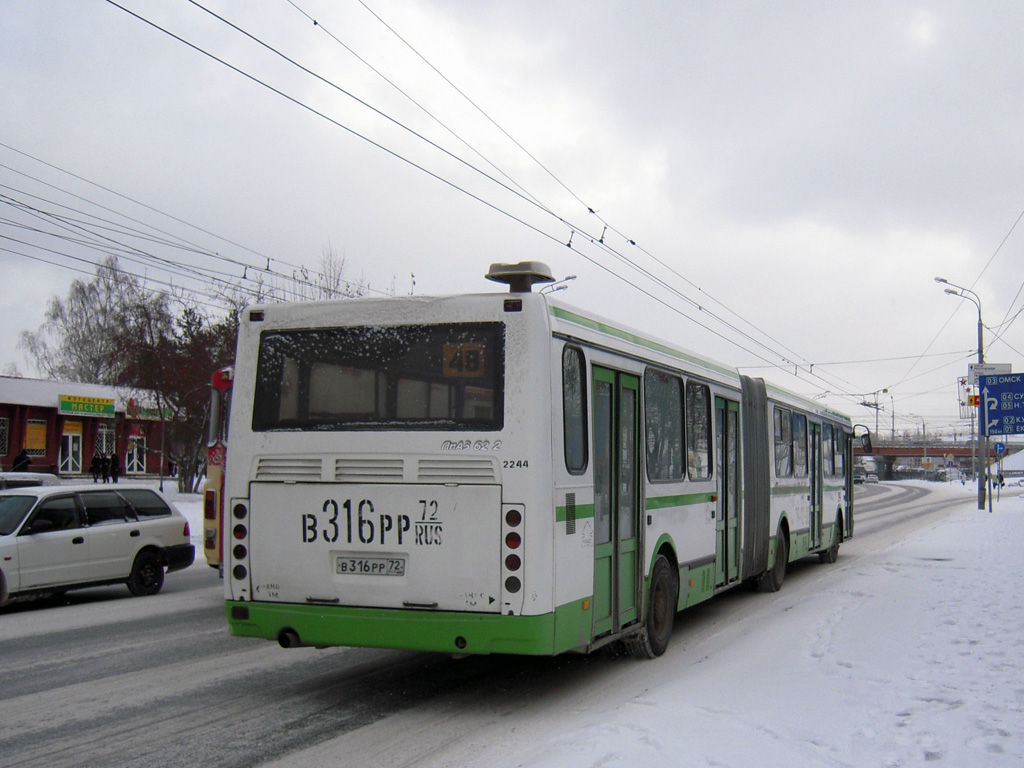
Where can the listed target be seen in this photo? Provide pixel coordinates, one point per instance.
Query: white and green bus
(500, 473)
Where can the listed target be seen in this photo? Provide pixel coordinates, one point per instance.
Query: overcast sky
(799, 170)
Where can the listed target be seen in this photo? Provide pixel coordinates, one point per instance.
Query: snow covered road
(906, 652)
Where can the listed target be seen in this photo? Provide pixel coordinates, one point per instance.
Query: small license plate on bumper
(346, 565)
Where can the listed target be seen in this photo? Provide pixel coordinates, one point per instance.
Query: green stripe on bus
(565, 629)
(596, 325)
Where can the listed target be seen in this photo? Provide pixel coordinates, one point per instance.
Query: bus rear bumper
(566, 629)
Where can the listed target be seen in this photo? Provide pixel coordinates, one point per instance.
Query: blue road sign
(1002, 404)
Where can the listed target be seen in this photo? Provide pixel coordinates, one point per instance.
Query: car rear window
(105, 507)
(146, 503)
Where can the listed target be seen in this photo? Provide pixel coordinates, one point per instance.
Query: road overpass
(923, 459)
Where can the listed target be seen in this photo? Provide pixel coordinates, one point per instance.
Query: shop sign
(76, 405)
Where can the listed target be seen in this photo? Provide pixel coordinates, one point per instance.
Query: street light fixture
(971, 296)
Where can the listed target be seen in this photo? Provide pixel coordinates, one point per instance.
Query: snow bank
(914, 657)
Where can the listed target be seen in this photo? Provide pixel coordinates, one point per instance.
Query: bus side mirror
(865, 438)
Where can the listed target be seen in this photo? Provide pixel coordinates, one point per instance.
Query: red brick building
(63, 425)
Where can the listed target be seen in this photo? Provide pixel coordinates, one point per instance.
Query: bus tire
(771, 580)
(147, 576)
(831, 554)
(651, 641)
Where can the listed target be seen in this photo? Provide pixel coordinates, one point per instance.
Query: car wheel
(147, 576)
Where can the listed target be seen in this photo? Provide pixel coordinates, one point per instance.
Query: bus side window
(827, 449)
(800, 445)
(698, 430)
(663, 406)
(783, 443)
(574, 410)
(840, 437)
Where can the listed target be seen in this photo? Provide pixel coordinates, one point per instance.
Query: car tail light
(187, 532)
(210, 505)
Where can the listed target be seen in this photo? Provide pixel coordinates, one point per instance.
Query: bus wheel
(771, 580)
(653, 639)
(831, 554)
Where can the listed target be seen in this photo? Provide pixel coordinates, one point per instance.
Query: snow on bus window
(381, 377)
(339, 390)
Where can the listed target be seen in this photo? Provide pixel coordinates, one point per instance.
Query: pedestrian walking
(115, 467)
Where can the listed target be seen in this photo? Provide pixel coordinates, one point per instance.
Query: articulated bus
(216, 457)
(501, 473)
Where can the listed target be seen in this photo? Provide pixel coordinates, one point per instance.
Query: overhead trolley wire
(597, 240)
(168, 239)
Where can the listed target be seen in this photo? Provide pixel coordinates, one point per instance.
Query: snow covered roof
(45, 393)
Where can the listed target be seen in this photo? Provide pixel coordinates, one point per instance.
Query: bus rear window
(440, 377)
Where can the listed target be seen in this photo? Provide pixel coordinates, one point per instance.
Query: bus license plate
(371, 566)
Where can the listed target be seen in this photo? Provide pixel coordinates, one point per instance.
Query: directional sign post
(1002, 410)
(1002, 404)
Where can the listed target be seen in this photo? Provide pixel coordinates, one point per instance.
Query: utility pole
(971, 296)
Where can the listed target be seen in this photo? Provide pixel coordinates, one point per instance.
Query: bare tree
(328, 282)
(76, 341)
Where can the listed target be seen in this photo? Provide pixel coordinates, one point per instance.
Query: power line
(597, 240)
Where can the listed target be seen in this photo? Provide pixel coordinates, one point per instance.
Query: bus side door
(727, 419)
(816, 472)
(616, 500)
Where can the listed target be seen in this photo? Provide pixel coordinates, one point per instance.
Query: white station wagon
(56, 538)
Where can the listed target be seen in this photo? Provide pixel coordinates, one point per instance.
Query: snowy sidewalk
(913, 656)
(898, 656)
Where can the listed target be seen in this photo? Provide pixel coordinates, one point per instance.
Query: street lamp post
(971, 296)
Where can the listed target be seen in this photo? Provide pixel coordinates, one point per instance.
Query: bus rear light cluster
(240, 551)
(513, 544)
